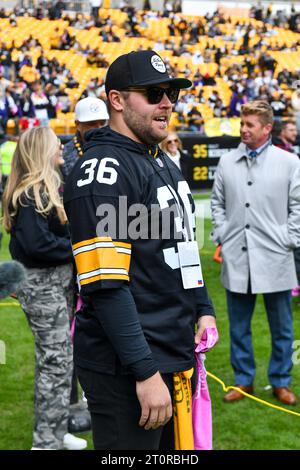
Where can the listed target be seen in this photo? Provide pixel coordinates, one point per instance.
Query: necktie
(253, 153)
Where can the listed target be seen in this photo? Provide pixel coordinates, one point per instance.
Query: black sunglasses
(155, 94)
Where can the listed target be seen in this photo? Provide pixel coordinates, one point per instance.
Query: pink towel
(78, 307)
(201, 410)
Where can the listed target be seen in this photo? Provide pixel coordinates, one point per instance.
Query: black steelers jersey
(128, 205)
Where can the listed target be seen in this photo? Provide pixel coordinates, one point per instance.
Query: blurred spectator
(66, 40)
(284, 77)
(95, 5)
(236, 102)
(12, 108)
(208, 80)
(70, 81)
(90, 113)
(295, 102)
(55, 39)
(197, 58)
(5, 61)
(267, 62)
(64, 103)
(194, 119)
(40, 103)
(38, 13)
(96, 59)
(59, 7)
(219, 109)
(8, 107)
(42, 61)
(51, 95)
(286, 136)
(172, 146)
(213, 97)
(279, 104)
(95, 89)
(26, 108)
(7, 150)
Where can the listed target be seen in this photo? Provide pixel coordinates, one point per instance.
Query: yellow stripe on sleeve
(99, 239)
(102, 258)
(102, 277)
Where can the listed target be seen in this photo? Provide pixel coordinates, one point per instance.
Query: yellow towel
(182, 407)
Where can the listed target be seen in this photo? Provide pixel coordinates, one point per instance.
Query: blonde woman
(172, 146)
(35, 218)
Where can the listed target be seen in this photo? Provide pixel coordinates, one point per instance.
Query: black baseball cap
(140, 68)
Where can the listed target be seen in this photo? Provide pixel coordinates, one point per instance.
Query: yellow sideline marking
(266, 403)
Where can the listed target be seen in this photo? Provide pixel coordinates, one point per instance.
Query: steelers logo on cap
(94, 108)
(158, 64)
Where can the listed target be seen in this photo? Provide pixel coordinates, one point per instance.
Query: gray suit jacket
(256, 217)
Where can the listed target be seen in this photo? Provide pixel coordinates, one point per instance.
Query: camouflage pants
(47, 300)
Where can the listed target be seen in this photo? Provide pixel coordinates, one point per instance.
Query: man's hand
(206, 321)
(155, 401)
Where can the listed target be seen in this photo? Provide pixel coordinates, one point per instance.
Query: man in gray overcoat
(256, 218)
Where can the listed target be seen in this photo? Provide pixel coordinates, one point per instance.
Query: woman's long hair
(33, 174)
(164, 144)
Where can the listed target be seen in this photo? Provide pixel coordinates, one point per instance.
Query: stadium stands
(236, 56)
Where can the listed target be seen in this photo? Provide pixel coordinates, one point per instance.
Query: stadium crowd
(230, 60)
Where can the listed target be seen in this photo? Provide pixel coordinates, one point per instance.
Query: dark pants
(74, 389)
(297, 263)
(279, 311)
(95, 13)
(115, 413)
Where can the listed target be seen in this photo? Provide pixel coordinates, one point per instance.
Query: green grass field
(239, 426)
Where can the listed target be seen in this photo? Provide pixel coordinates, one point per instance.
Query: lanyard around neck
(172, 188)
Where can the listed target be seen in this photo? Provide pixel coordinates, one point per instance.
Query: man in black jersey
(136, 330)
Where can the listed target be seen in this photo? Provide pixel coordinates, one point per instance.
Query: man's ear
(268, 128)
(116, 100)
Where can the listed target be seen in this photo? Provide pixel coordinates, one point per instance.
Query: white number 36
(105, 174)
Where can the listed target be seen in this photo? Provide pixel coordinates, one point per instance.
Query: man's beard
(142, 131)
